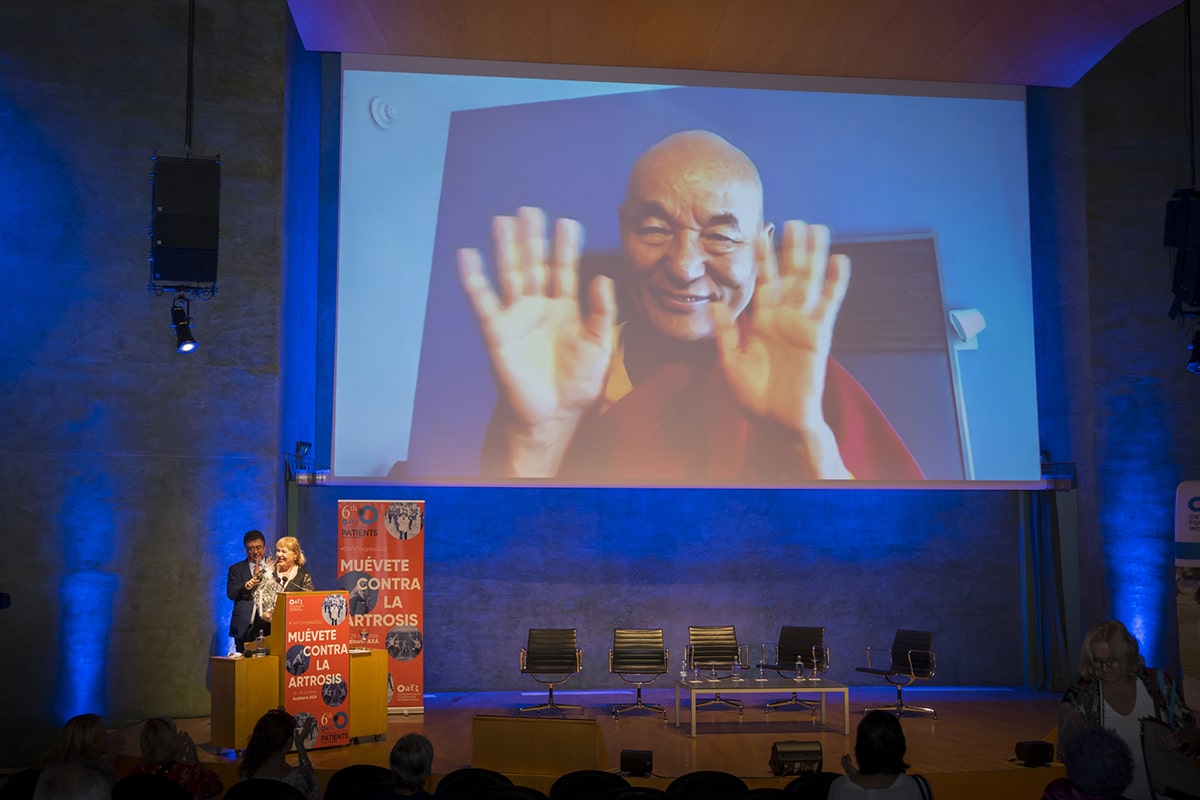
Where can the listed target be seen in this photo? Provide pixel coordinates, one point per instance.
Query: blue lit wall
(860, 563)
(131, 471)
(1142, 398)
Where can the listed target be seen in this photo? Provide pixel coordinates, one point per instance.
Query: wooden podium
(243, 689)
(309, 652)
(368, 694)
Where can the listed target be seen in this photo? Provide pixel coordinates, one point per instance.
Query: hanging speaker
(185, 205)
(1181, 233)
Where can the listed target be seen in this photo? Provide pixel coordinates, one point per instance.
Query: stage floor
(975, 732)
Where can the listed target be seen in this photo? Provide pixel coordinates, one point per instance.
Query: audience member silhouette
(83, 738)
(267, 749)
(171, 753)
(879, 749)
(81, 779)
(411, 761)
(1099, 766)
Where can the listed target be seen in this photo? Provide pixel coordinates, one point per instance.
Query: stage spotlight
(182, 323)
(1194, 361)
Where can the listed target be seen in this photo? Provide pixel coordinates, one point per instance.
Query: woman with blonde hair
(84, 738)
(1116, 690)
(286, 574)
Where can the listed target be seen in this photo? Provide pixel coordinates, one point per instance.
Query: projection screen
(929, 379)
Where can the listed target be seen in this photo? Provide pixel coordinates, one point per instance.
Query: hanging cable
(191, 46)
(1191, 97)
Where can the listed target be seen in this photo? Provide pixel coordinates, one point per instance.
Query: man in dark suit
(243, 577)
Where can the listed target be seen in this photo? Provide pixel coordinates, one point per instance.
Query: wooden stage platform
(966, 752)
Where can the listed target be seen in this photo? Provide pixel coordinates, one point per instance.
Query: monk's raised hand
(775, 362)
(549, 356)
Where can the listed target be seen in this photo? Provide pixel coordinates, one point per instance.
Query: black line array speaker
(1181, 232)
(794, 758)
(186, 200)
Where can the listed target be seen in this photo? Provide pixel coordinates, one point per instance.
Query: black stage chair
(714, 649)
(911, 659)
(637, 793)
(811, 785)
(149, 786)
(358, 781)
(263, 789)
(707, 784)
(514, 792)
(638, 656)
(20, 785)
(586, 784)
(766, 793)
(802, 647)
(552, 654)
(465, 783)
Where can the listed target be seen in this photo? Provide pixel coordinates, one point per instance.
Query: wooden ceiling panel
(417, 28)
(506, 30)
(1023, 42)
(584, 32)
(775, 26)
(676, 34)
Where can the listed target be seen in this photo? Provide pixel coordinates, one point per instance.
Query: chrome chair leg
(724, 701)
(621, 708)
(899, 707)
(794, 700)
(539, 708)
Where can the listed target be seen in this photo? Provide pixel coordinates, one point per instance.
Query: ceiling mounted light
(181, 321)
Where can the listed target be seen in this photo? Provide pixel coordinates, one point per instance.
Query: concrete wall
(1142, 400)
(133, 470)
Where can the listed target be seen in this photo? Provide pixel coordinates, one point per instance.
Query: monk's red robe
(682, 424)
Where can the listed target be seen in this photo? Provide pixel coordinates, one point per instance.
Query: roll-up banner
(381, 564)
(1187, 584)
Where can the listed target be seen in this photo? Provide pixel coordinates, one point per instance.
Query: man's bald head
(693, 157)
(693, 213)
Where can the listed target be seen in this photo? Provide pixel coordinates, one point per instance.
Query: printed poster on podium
(381, 565)
(309, 633)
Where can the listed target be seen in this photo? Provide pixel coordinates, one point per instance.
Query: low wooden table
(771, 684)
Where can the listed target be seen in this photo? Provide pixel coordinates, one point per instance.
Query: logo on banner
(405, 520)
